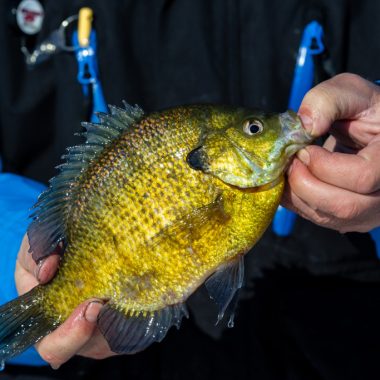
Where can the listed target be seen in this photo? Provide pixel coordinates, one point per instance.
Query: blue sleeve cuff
(17, 196)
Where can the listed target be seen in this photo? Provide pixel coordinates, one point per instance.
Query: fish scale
(133, 250)
(159, 205)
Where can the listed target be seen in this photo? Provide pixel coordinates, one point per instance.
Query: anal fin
(134, 333)
(223, 287)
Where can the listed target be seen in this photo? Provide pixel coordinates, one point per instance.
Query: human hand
(79, 333)
(338, 185)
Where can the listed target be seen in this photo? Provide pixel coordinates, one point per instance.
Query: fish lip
(293, 148)
(289, 121)
(291, 126)
(295, 141)
(300, 135)
(288, 150)
(296, 137)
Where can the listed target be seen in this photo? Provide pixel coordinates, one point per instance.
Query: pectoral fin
(209, 219)
(223, 287)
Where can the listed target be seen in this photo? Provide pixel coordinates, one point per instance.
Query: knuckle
(325, 98)
(98, 355)
(361, 229)
(366, 181)
(50, 357)
(323, 101)
(347, 211)
(344, 229)
(321, 219)
(352, 228)
(346, 78)
(97, 350)
(320, 95)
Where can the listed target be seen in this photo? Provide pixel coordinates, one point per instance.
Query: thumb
(45, 269)
(345, 96)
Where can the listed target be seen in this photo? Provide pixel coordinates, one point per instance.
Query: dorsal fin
(48, 227)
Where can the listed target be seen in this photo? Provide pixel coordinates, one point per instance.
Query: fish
(148, 209)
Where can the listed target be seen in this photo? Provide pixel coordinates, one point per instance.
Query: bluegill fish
(148, 209)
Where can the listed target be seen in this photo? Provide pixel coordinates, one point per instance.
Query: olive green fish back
(53, 207)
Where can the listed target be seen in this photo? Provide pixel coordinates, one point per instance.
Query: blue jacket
(17, 196)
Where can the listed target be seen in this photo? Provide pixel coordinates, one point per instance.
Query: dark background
(310, 309)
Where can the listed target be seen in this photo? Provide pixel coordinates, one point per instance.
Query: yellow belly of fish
(119, 264)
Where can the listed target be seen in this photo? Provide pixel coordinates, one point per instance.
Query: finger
(24, 280)
(329, 200)
(359, 172)
(356, 133)
(334, 145)
(330, 144)
(346, 96)
(44, 270)
(292, 202)
(64, 342)
(97, 347)
(296, 204)
(47, 268)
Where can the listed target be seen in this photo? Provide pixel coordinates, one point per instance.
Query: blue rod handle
(311, 44)
(88, 74)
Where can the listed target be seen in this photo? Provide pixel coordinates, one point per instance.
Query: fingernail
(37, 271)
(307, 122)
(54, 366)
(304, 156)
(92, 311)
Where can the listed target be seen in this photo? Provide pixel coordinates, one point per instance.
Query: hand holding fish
(78, 334)
(338, 185)
(151, 207)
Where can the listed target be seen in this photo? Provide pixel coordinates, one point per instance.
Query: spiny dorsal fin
(48, 227)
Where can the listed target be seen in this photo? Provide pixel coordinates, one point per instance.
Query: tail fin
(22, 324)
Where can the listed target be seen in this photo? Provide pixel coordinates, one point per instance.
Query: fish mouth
(293, 138)
(291, 149)
(296, 140)
(293, 130)
(296, 137)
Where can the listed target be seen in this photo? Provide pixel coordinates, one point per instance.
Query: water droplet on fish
(231, 322)
(2, 365)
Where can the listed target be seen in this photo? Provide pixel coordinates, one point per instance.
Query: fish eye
(252, 127)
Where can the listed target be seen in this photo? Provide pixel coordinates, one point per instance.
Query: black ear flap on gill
(197, 159)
